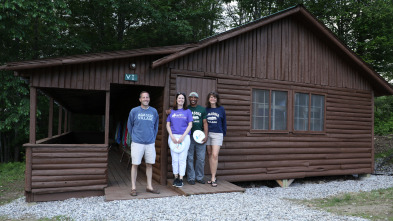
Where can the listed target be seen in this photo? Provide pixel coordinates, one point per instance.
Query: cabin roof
(93, 57)
(299, 12)
(170, 53)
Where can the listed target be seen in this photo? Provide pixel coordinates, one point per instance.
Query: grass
(384, 154)
(12, 176)
(374, 205)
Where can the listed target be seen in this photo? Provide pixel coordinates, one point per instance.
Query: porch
(119, 183)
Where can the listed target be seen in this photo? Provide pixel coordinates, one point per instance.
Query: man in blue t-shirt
(143, 127)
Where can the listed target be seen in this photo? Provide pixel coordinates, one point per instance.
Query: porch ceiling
(79, 101)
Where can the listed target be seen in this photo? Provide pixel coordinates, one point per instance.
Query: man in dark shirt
(200, 123)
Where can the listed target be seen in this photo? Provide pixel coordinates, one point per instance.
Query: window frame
(270, 114)
(309, 131)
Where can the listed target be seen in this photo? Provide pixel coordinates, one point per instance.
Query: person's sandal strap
(133, 192)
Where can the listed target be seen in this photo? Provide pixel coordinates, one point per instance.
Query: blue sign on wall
(131, 77)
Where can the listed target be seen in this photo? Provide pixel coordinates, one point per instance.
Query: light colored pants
(200, 151)
(179, 160)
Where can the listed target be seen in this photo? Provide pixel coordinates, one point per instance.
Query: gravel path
(260, 203)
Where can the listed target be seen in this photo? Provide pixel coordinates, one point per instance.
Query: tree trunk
(5, 160)
(16, 148)
(1, 148)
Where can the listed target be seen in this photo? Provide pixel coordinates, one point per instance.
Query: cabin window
(269, 110)
(309, 112)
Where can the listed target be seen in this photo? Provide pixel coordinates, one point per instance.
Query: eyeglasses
(178, 93)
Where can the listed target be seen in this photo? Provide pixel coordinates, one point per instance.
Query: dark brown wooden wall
(65, 169)
(98, 75)
(283, 51)
(286, 56)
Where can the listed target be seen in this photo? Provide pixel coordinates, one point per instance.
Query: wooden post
(60, 119)
(50, 121)
(65, 120)
(164, 133)
(28, 172)
(108, 96)
(33, 113)
(69, 121)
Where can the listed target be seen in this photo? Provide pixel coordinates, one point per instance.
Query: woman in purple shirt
(179, 123)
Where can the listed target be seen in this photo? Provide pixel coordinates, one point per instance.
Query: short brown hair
(140, 95)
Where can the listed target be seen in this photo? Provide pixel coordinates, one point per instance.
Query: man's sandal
(133, 192)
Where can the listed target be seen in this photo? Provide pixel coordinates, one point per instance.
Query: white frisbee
(177, 148)
(198, 136)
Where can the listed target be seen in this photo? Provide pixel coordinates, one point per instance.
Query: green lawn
(12, 176)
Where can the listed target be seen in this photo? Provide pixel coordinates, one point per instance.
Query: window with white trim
(270, 110)
(309, 112)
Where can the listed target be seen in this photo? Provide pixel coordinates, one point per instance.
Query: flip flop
(133, 192)
(152, 191)
(210, 182)
(214, 183)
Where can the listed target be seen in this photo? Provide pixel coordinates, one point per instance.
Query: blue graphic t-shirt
(143, 125)
(216, 120)
(179, 120)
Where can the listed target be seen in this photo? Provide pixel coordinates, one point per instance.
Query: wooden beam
(33, 114)
(69, 121)
(164, 133)
(60, 119)
(285, 183)
(65, 120)
(28, 170)
(50, 121)
(107, 108)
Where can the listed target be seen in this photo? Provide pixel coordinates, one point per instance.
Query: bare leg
(134, 173)
(215, 149)
(149, 175)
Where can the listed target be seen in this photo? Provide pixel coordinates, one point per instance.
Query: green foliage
(11, 181)
(383, 115)
(11, 172)
(14, 116)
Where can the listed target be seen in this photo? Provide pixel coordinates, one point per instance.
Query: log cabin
(299, 104)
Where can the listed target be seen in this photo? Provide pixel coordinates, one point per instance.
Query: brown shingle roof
(85, 58)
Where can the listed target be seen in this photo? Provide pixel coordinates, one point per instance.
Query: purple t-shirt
(179, 120)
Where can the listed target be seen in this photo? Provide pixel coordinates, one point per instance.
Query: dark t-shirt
(198, 114)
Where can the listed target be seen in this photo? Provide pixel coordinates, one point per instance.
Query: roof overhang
(94, 57)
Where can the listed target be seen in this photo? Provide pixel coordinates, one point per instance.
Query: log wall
(61, 171)
(286, 56)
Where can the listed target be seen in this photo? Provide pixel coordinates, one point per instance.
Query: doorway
(122, 99)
